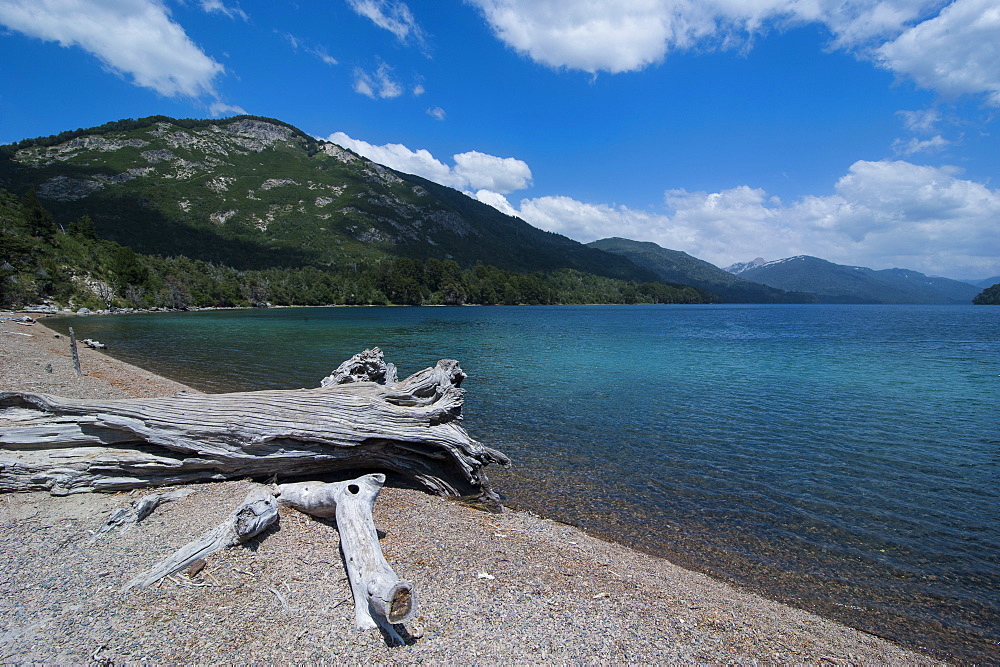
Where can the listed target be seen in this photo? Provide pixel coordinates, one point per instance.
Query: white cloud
(883, 214)
(923, 121)
(437, 113)
(377, 84)
(221, 109)
(587, 222)
(914, 145)
(472, 170)
(488, 172)
(390, 15)
(130, 37)
(400, 158)
(956, 52)
(217, 6)
(895, 213)
(318, 51)
(862, 22)
(321, 53)
(496, 200)
(898, 191)
(595, 35)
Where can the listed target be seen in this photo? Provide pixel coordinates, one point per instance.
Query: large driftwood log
(411, 427)
(381, 598)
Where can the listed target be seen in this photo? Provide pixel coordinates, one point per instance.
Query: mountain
(984, 283)
(739, 267)
(252, 193)
(836, 283)
(679, 267)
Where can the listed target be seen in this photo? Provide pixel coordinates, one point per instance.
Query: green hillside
(42, 262)
(679, 267)
(254, 193)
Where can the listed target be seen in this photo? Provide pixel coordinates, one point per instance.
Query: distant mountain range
(679, 267)
(983, 284)
(836, 283)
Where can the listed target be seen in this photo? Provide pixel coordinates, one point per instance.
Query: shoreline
(504, 588)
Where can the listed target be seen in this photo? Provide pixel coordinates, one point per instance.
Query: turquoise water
(842, 458)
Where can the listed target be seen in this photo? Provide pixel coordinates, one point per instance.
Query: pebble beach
(491, 588)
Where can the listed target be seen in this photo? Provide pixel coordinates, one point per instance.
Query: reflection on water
(843, 458)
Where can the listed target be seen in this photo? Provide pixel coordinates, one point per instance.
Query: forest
(44, 262)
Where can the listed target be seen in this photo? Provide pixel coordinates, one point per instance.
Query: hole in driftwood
(401, 605)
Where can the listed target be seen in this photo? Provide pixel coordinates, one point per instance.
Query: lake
(844, 459)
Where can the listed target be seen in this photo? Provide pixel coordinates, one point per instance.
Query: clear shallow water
(843, 458)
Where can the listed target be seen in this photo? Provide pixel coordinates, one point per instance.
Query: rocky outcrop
(64, 188)
(339, 153)
(256, 135)
(272, 183)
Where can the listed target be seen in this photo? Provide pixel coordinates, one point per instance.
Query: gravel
(491, 588)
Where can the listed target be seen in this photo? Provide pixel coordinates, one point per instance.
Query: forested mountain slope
(253, 193)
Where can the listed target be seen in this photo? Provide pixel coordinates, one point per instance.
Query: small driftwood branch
(381, 598)
(73, 351)
(412, 427)
(253, 516)
(144, 506)
(123, 517)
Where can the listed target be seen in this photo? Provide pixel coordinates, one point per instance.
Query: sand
(492, 588)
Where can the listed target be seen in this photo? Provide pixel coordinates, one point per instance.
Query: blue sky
(864, 132)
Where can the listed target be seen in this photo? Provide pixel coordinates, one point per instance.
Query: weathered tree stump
(410, 427)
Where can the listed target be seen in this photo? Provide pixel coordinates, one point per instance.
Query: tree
(83, 227)
(258, 292)
(128, 267)
(402, 281)
(439, 273)
(453, 294)
(40, 221)
(103, 292)
(174, 294)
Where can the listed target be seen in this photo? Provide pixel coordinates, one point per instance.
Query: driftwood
(124, 517)
(410, 427)
(254, 515)
(351, 422)
(74, 352)
(381, 598)
(367, 366)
